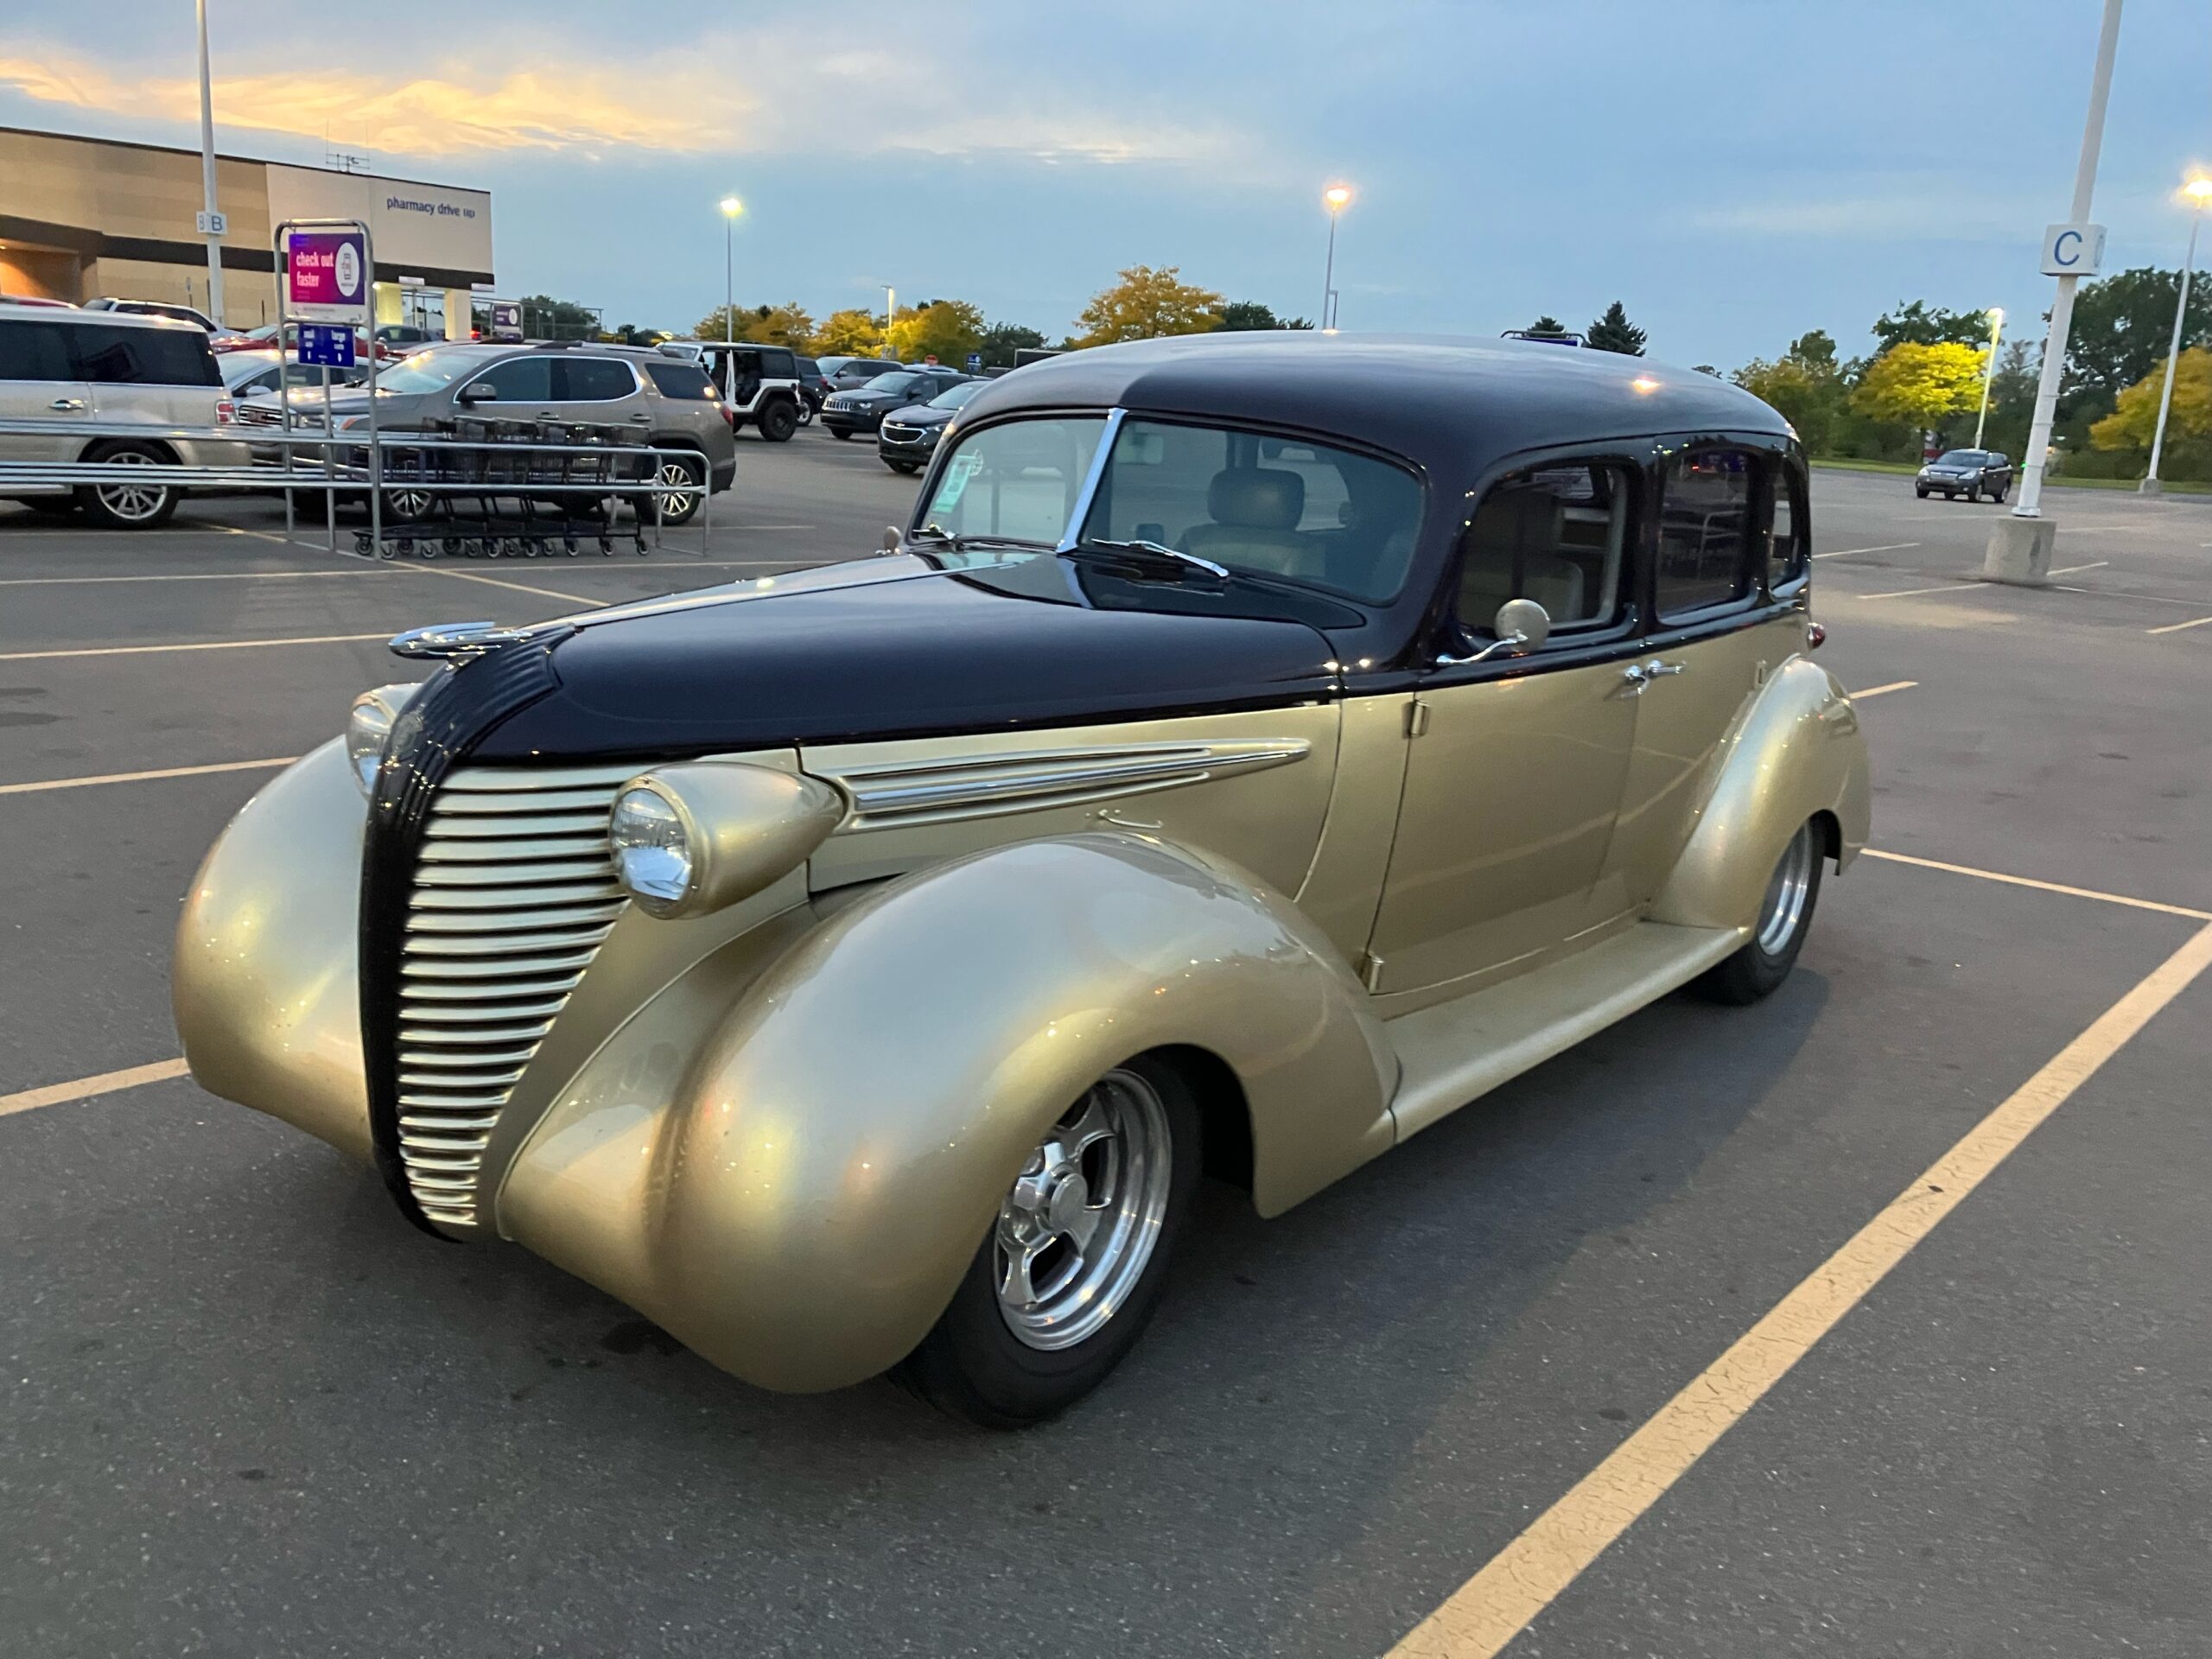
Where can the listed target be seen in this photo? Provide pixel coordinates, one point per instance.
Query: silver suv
(72, 368)
(672, 403)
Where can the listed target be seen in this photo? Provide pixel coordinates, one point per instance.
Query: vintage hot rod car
(1254, 748)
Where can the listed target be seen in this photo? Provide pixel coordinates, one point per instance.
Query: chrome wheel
(1075, 1234)
(681, 483)
(1786, 893)
(131, 503)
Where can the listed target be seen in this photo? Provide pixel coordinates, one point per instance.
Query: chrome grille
(514, 889)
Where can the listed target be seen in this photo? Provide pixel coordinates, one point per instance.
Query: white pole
(207, 174)
(2062, 310)
(1329, 271)
(890, 312)
(729, 281)
(2173, 350)
(1989, 373)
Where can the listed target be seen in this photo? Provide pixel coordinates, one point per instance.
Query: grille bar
(514, 894)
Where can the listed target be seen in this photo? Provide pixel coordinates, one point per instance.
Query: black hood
(897, 647)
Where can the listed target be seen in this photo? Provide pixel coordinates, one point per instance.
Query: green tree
(946, 329)
(1546, 324)
(544, 317)
(1815, 350)
(1807, 393)
(1250, 316)
(787, 324)
(1002, 339)
(2135, 412)
(1146, 303)
(856, 332)
(1920, 384)
(2122, 324)
(1917, 324)
(1614, 333)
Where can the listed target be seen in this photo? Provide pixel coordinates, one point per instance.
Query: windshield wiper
(1157, 555)
(944, 538)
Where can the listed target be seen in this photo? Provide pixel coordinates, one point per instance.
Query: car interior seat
(1511, 551)
(1254, 522)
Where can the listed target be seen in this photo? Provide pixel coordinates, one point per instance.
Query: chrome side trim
(928, 791)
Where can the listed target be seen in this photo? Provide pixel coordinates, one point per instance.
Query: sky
(1735, 172)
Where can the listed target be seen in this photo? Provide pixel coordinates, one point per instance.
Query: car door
(515, 388)
(1714, 637)
(39, 382)
(1515, 762)
(598, 391)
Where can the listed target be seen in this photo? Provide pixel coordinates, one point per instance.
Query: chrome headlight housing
(692, 838)
(368, 730)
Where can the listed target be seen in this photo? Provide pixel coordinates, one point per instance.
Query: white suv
(759, 383)
(107, 368)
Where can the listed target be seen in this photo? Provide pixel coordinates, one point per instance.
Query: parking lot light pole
(209, 219)
(731, 208)
(890, 315)
(1989, 370)
(1335, 196)
(2197, 190)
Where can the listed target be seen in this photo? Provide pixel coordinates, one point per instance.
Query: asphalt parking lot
(246, 1409)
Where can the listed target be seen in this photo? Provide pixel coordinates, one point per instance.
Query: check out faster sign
(327, 275)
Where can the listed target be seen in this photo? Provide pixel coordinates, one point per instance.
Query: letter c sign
(2073, 249)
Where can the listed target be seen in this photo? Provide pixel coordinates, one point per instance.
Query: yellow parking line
(1496, 1604)
(1883, 690)
(2176, 627)
(2042, 887)
(45, 784)
(203, 644)
(29, 1100)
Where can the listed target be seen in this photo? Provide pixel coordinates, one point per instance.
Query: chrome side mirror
(1523, 622)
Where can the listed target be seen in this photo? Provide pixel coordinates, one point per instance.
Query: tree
(856, 332)
(1247, 316)
(2122, 324)
(1920, 385)
(2134, 417)
(1614, 333)
(1002, 339)
(544, 317)
(1815, 350)
(1146, 303)
(1546, 324)
(631, 334)
(946, 329)
(1808, 394)
(787, 324)
(1915, 324)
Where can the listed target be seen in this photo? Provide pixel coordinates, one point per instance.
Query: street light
(1989, 374)
(731, 208)
(1335, 197)
(210, 218)
(890, 315)
(2198, 190)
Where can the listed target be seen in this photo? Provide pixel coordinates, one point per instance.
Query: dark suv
(1971, 473)
(862, 411)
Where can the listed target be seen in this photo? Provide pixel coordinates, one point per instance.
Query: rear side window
(1786, 533)
(685, 380)
(594, 380)
(1556, 534)
(1705, 531)
(776, 363)
(108, 355)
(34, 351)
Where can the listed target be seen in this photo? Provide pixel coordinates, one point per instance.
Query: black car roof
(1420, 397)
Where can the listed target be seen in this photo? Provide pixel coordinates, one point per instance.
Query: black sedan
(907, 437)
(1971, 473)
(863, 409)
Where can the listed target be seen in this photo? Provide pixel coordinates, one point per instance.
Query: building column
(458, 303)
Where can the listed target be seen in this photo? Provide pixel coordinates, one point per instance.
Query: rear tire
(130, 506)
(1019, 1345)
(779, 421)
(1765, 959)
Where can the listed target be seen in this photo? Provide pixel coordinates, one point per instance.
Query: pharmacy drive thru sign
(327, 275)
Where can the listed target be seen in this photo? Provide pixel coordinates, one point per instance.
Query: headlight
(689, 840)
(368, 728)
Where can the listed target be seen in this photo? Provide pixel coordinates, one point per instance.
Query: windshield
(899, 382)
(957, 397)
(1959, 458)
(1251, 501)
(431, 371)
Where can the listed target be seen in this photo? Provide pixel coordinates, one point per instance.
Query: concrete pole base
(2150, 486)
(2019, 551)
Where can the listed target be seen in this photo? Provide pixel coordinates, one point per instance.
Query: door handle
(1655, 670)
(641, 416)
(66, 403)
(1637, 675)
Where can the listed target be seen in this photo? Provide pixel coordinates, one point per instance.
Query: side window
(1705, 531)
(34, 351)
(1787, 534)
(519, 380)
(1557, 534)
(683, 380)
(594, 380)
(106, 355)
(778, 365)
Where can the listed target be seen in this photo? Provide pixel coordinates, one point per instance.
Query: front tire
(676, 474)
(1921, 493)
(841, 433)
(1785, 916)
(1072, 1269)
(777, 422)
(906, 468)
(130, 506)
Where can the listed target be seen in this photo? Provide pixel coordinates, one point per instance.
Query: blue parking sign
(328, 344)
(974, 362)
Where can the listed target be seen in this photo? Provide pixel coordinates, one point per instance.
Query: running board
(1454, 1052)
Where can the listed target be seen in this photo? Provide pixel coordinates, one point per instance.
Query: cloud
(1908, 208)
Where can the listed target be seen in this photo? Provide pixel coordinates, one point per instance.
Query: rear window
(34, 351)
(681, 380)
(1705, 531)
(110, 355)
(776, 363)
(595, 379)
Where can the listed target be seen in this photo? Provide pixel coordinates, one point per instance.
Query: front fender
(798, 1194)
(1797, 751)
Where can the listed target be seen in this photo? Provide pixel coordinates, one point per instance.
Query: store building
(81, 218)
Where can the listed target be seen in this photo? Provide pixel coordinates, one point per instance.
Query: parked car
(1256, 748)
(399, 338)
(813, 386)
(37, 299)
(249, 374)
(907, 437)
(671, 400)
(156, 308)
(759, 383)
(264, 339)
(1971, 473)
(862, 409)
(82, 367)
(851, 373)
